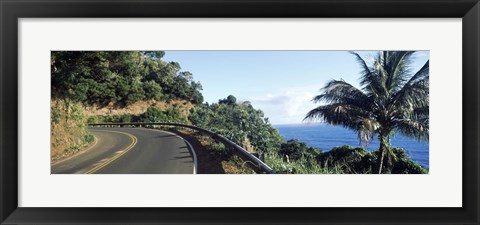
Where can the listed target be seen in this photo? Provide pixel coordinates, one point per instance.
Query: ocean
(325, 137)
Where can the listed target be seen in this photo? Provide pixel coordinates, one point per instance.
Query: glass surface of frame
(468, 214)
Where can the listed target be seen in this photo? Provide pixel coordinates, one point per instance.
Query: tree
(152, 90)
(104, 77)
(154, 54)
(391, 98)
(230, 100)
(238, 122)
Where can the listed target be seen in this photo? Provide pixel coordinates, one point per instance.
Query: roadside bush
(238, 121)
(297, 150)
(89, 138)
(124, 118)
(171, 115)
(222, 150)
(349, 158)
(400, 162)
(301, 166)
(406, 166)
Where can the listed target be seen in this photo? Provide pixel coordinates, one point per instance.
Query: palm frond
(398, 69)
(339, 91)
(343, 114)
(415, 128)
(381, 80)
(421, 74)
(390, 98)
(369, 79)
(366, 130)
(412, 96)
(415, 92)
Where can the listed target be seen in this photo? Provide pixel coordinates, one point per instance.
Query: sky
(280, 83)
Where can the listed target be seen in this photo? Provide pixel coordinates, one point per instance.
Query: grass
(217, 152)
(301, 166)
(235, 165)
(232, 164)
(68, 129)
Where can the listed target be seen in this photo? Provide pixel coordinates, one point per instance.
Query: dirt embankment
(138, 108)
(68, 129)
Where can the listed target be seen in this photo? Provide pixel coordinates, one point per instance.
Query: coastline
(325, 137)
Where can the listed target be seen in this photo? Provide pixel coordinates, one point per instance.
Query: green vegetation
(301, 166)
(68, 128)
(153, 114)
(295, 150)
(239, 122)
(391, 99)
(359, 160)
(103, 77)
(124, 78)
(339, 160)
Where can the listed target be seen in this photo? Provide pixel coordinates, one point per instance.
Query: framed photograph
(239, 112)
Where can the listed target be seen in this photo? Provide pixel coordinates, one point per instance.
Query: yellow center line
(125, 150)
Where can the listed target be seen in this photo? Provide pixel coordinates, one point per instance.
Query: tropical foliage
(125, 77)
(239, 122)
(391, 98)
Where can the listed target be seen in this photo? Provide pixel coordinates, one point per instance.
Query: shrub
(406, 166)
(301, 166)
(297, 150)
(349, 158)
(89, 138)
(171, 115)
(398, 163)
(124, 118)
(238, 121)
(221, 150)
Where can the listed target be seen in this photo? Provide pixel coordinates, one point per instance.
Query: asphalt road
(130, 151)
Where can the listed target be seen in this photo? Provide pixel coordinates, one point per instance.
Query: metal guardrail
(256, 164)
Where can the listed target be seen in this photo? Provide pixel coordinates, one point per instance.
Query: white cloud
(286, 106)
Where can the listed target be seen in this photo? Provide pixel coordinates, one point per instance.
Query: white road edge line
(194, 155)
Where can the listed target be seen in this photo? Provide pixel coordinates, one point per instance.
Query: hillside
(139, 86)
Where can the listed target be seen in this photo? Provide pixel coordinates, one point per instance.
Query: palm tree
(391, 98)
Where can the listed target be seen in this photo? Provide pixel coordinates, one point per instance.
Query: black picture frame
(11, 11)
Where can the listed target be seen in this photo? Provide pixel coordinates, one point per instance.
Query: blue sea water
(325, 137)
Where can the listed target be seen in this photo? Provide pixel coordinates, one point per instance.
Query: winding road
(131, 151)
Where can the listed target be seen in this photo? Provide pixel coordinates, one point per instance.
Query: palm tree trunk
(383, 147)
